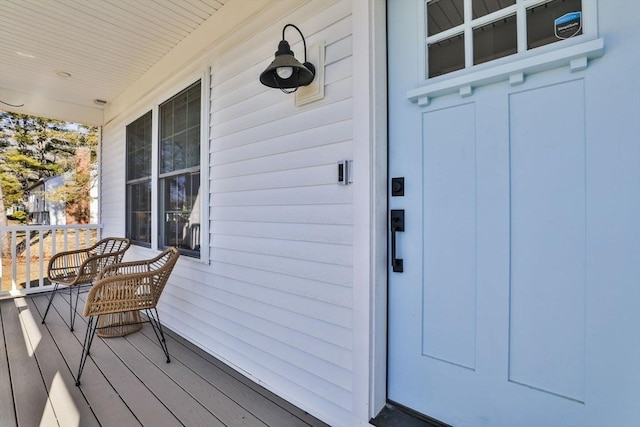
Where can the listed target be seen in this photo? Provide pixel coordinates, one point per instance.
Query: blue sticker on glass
(568, 25)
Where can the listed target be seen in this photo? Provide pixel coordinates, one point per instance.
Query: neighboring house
(15, 208)
(510, 296)
(44, 209)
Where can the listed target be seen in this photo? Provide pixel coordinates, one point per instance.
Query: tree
(76, 191)
(35, 148)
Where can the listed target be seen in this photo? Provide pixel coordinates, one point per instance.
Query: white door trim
(370, 210)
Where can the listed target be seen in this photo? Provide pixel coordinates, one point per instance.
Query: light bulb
(284, 72)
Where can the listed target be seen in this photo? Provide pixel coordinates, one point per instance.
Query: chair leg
(73, 307)
(154, 319)
(55, 288)
(86, 346)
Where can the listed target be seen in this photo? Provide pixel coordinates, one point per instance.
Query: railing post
(14, 260)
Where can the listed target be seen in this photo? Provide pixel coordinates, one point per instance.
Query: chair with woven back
(123, 289)
(80, 266)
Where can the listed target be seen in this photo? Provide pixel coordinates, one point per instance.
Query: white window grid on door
(519, 10)
(575, 52)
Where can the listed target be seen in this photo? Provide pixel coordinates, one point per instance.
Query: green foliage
(12, 189)
(35, 148)
(19, 216)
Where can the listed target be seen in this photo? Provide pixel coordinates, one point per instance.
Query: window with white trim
(461, 34)
(179, 171)
(175, 180)
(139, 141)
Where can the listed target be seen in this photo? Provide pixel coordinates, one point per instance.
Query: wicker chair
(80, 267)
(126, 288)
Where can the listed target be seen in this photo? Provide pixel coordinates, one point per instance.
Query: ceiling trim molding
(50, 108)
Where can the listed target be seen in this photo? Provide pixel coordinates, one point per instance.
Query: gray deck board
(225, 409)
(271, 409)
(108, 406)
(126, 380)
(7, 411)
(68, 403)
(33, 407)
(139, 398)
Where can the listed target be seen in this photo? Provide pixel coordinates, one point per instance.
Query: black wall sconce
(286, 72)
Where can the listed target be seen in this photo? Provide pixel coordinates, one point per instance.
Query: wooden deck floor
(126, 381)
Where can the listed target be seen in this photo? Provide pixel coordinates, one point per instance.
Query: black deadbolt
(397, 186)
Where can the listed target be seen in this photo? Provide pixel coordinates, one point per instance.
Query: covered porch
(126, 381)
(289, 287)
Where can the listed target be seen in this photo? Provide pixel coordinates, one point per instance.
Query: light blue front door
(494, 319)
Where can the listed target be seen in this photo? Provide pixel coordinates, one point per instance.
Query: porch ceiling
(105, 46)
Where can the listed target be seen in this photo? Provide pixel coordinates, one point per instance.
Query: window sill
(575, 56)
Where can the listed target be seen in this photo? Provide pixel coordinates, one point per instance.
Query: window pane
(542, 28)
(139, 212)
(485, 7)
(495, 40)
(179, 213)
(180, 113)
(181, 219)
(193, 109)
(193, 147)
(166, 120)
(138, 137)
(444, 14)
(446, 56)
(183, 111)
(179, 151)
(166, 157)
(138, 197)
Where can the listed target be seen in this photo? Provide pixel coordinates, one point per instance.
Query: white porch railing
(23, 269)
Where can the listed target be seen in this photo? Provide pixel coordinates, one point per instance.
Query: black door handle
(397, 224)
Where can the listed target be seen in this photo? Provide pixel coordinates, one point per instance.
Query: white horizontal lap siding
(277, 299)
(112, 181)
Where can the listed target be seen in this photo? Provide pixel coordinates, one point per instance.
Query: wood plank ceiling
(104, 45)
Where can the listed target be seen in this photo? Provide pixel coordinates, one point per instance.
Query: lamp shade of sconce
(285, 72)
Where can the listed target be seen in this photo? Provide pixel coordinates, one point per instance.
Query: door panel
(449, 242)
(548, 240)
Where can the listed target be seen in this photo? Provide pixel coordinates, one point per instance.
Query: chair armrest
(120, 293)
(67, 264)
(122, 268)
(130, 285)
(79, 266)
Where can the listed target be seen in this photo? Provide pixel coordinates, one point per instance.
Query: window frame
(163, 175)
(574, 53)
(519, 9)
(132, 182)
(178, 86)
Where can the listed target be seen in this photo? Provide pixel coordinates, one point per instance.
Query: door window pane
(495, 40)
(443, 15)
(446, 56)
(485, 7)
(553, 21)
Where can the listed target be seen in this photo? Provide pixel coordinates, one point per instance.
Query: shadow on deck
(126, 380)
